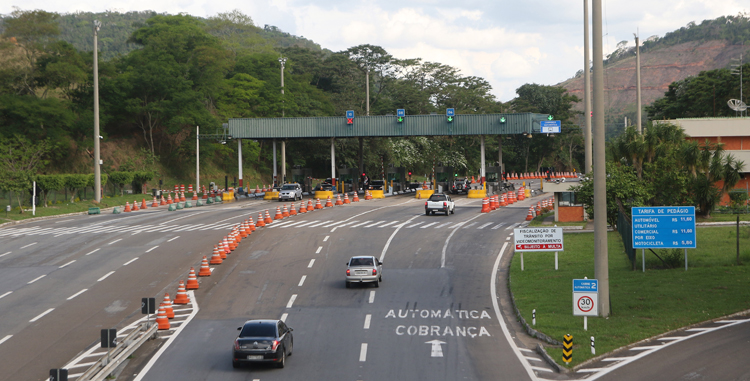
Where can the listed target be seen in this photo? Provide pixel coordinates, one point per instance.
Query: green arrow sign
(549, 117)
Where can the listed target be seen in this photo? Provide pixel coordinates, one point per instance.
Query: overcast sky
(507, 42)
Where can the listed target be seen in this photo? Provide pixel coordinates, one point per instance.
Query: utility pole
(97, 160)
(586, 89)
(282, 61)
(638, 120)
(198, 158)
(367, 88)
(601, 261)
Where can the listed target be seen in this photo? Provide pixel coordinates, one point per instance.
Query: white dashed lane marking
(115, 241)
(78, 293)
(284, 316)
(4, 339)
(367, 321)
(291, 301)
(485, 225)
(363, 353)
(173, 239)
(372, 296)
(4, 254)
(105, 276)
(149, 250)
(92, 252)
(302, 281)
(41, 315)
(130, 261)
(319, 249)
(34, 280)
(326, 238)
(67, 264)
(312, 261)
(6, 294)
(31, 244)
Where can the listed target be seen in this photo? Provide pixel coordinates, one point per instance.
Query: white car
(290, 192)
(439, 202)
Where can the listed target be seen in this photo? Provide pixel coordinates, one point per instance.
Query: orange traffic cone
(329, 204)
(135, 206)
(261, 222)
(143, 204)
(167, 306)
(485, 205)
(310, 207)
(502, 200)
(268, 219)
(338, 200)
(346, 199)
(182, 196)
(493, 202)
(243, 232)
(162, 320)
(368, 196)
(251, 224)
(530, 216)
(182, 296)
(224, 246)
(155, 203)
(285, 212)
(205, 270)
(355, 198)
(302, 208)
(538, 208)
(521, 194)
(216, 257)
(163, 201)
(192, 283)
(278, 215)
(195, 196)
(169, 199)
(318, 205)
(292, 211)
(127, 207)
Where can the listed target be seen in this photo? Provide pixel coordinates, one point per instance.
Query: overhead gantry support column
(274, 162)
(283, 161)
(239, 157)
(481, 173)
(500, 153)
(333, 162)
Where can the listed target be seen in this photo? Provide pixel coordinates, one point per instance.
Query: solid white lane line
(4, 254)
(326, 238)
(311, 263)
(485, 225)
(92, 252)
(64, 221)
(372, 297)
(69, 263)
(31, 244)
(388, 243)
(105, 276)
(30, 282)
(291, 301)
(173, 239)
(367, 321)
(149, 250)
(390, 223)
(284, 316)
(115, 241)
(319, 249)
(447, 240)
(78, 293)
(41, 315)
(4, 339)
(363, 353)
(374, 224)
(360, 224)
(428, 225)
(130, 261)
(6, 294)
(302, 281)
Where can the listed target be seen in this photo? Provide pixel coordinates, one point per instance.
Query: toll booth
(303, 176)
(350, 178)
(398, 176)
(443, 178)
(495, 182)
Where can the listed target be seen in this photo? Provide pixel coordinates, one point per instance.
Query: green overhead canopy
(366, 126)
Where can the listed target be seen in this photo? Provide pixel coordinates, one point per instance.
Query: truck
(439, 202)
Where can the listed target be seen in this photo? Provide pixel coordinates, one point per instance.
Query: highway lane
(61, 281)
(296, 273)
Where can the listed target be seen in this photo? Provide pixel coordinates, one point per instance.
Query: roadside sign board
(350, 114)
(551, 126)
(663, 227)
(538, 239)
(585, 297)
(400, 112)
(450, 112)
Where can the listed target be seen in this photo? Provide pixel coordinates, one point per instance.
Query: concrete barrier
(271, 195)
(424, 193)
(377, 193)
(477, 193)
(323, 195)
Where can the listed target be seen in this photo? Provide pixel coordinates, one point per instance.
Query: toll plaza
(348, 179)
(395, 177)
(353, 126)
(444, 178)
(303, 177)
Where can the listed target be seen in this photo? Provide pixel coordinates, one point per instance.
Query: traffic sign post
(350, 117)
(538, 239)
(663, 227)
(400, 115)
(585, 299)
(551, 126)
(450, 113)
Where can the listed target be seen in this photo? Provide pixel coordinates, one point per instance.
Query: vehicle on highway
(439, 202)
(291, 192)
(364, 269)
(377, 185)
(263, 341)
(461, 184)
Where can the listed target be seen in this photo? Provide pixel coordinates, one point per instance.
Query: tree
(19, 161)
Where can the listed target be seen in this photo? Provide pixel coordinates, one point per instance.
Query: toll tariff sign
(585, 297)
(538, 239)
(664, 227)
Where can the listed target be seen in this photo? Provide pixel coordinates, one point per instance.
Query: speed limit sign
(585, 297)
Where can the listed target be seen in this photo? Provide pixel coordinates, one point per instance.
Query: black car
(267, 341)
(460, 185)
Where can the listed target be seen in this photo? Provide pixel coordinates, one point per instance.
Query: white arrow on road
(437, 349)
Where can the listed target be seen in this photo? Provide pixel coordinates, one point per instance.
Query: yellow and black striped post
(567, 349)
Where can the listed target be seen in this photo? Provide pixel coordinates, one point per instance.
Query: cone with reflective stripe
(182, 196)
(268, 219)
(127, 207)
(155, 203)
(329, 204)
(368, 196)
(346, 199)
(163, 200)
(521, 194)
(162, 320)
(538, 208)
(224, 246)
(169, 199)
(135, 206)
(355, 198)
(285, 212)
(338, 200)
(485, 205)
(318, 205)
(530, 215)
(167, 306)
(143, 204)
(205, 270)
(261, 223)
(216, 257)
(278, 215)
(310, 207)
(195, 196)
(192, 283)
(502, 200)
(242, 230)
(182, 296)
(292, 211)
(302, 208)
(251, 224)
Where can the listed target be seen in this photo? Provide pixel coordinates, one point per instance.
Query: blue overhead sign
(664, 227)
(400, 112)
(551, 126)
(585, 285)
(450, 112)
(350, 114)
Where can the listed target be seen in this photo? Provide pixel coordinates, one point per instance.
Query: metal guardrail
(115, 356)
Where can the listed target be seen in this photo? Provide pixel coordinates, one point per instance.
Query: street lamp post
(97, 168)
(282, 61)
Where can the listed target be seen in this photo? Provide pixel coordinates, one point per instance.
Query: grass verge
(642, 304)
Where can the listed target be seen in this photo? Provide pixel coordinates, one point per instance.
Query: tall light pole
(367, 88)
(638, 84)
(601, 261)
(586, 90)
(282, 61)
(97, 168)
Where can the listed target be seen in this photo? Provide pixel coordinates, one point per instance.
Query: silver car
(290, 192)
(364, 268)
